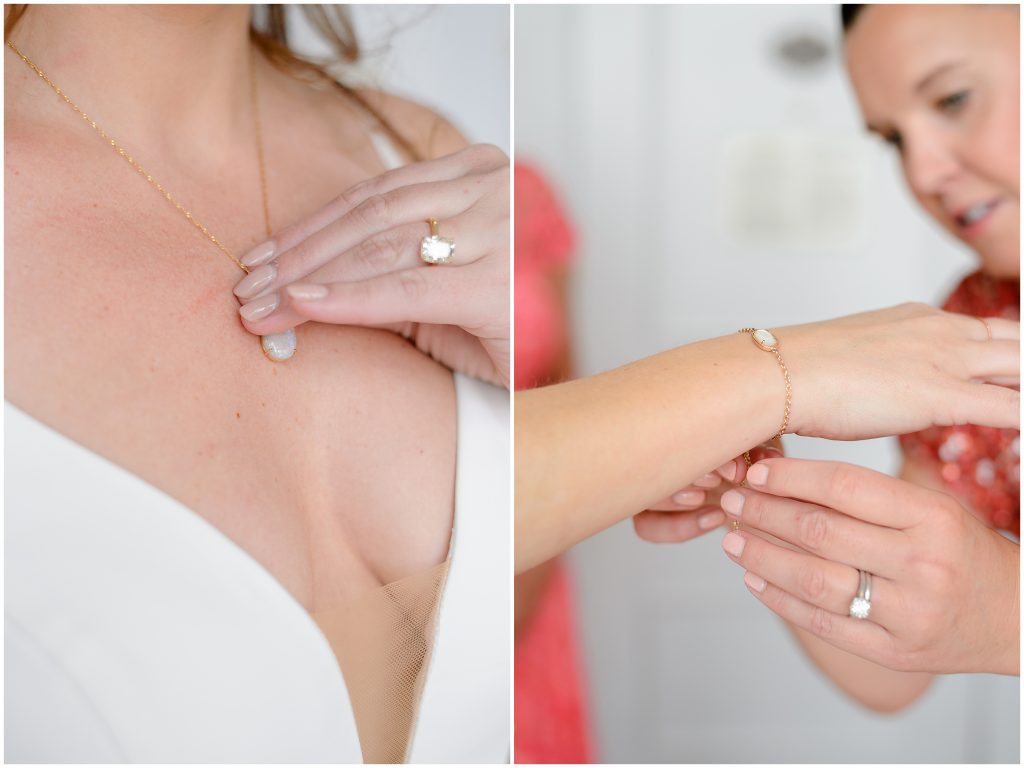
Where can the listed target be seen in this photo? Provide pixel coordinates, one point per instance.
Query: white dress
(138, 632)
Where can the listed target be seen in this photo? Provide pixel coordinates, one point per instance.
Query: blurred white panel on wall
(792, 189)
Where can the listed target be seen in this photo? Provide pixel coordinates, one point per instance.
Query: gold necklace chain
(145, 174)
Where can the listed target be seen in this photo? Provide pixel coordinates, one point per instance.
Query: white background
(713, 187)
(452, 58)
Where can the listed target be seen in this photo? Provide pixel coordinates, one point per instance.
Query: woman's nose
(930, 163)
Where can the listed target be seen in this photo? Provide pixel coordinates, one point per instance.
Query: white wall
(452, 58)
(714, 189)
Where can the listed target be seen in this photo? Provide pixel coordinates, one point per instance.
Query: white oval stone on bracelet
(765, 339)
(279, 346)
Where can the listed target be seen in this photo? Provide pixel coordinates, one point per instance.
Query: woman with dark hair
(941, 84)
(222, 548)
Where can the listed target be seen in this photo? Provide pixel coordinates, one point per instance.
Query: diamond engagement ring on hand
(860, 606)
(435, 249)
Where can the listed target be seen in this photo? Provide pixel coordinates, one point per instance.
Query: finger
(987, 405)
(989, 359)
(814, 580)
(710, 480)
(420, 295)
(731, 470)
(368, 221)
(818, 530)
(771, 450)
(861, 493)
(675, 527)
(689, 498)
(861, 637)
(474, 159)
(473, 233)
(978, 328)
(390, 251)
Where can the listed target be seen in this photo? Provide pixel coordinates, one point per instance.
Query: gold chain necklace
(277, 346)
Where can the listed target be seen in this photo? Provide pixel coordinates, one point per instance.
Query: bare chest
(335, 470)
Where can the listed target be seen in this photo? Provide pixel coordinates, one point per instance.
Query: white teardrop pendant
(279, 346)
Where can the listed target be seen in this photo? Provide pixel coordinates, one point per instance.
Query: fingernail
(733, 543)
(255, 281)
(757, 474)
(710, 520)
(754, 581)
(709, 480)
(729, 471)
(307, 291)
(261, 254)
(259, 308)
(732, 502)
(687, 498)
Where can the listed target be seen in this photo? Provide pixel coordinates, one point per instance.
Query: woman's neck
(173, 77)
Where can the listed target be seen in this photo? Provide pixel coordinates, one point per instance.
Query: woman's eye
(954, 102)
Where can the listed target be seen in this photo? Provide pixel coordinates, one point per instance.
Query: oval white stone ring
(435, 249)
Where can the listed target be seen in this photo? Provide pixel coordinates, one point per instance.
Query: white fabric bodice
(138, 632)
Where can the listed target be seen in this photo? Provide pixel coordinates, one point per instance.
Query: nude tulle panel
(383, 642)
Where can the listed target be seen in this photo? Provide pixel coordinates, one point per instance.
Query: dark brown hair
(332, 22)
(849, 14)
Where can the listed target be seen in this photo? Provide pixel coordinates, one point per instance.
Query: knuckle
(821, 623)
(812, 583)
(485, 154)
(379, 253)
(354, 195)
(814, 529)
(413, 285)
(754, 508)
(373, 209)
(845, 482)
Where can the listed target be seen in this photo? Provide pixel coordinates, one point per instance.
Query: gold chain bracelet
(767, 341)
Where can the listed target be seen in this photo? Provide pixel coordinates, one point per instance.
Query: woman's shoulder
(427, 132)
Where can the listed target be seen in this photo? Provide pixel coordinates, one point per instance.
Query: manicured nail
(710, 520)
(255, 281)
(710, 480)
(733, 543)
(732, 502)
(307, 291)
(754, 581)
(757, 474)
(259, 308)
(688, 498)
(261, 254)
(729, 471)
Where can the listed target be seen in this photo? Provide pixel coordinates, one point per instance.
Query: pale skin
(595, 451)
(940, 84)
(334, 470)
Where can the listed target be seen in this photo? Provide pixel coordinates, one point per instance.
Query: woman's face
(942, 84)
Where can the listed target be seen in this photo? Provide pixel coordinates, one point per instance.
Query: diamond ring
(435, 249)
(860, 606)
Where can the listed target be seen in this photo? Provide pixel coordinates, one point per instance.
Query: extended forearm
(595, 451)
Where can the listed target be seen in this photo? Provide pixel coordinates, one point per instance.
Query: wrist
(1005, 635)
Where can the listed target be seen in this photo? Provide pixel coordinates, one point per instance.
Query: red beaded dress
(551, 722)
(979, 465)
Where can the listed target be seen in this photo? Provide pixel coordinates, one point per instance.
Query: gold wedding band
(435, 249)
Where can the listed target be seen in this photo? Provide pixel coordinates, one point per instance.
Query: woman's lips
(970, 224)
